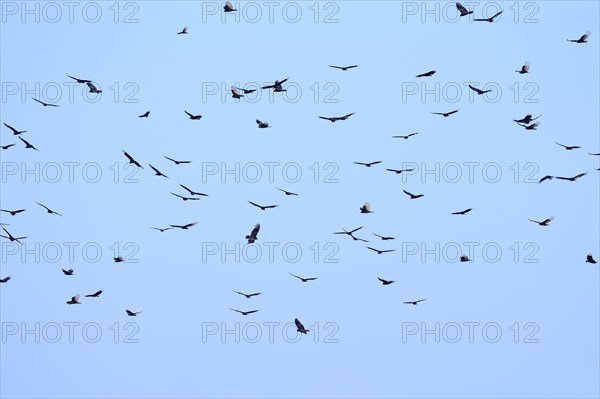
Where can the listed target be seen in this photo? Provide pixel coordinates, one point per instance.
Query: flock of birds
(238, 93)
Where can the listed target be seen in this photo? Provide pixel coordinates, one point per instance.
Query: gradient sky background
(181, 290)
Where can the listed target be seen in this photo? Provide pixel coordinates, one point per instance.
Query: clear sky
(521, 319)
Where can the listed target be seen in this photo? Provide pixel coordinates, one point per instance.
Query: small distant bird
(548, 177)
(479, 91)
(131, 160)
(74, 300)
(594, 154)
(93, 88)
(464, 258)
(490, 19)
(184, 227)
(426, 74)
(261, 124)
(381, 251)
(543, 223)
(343, 68)
(462, 212)
(13, 213)
(368, 165)
(349, 233)
(263, 207)
(176, 162)
(5, 279)
(286, 192)
(299, 327)
(79, 80)
(228, 7)
(590, 259)
(193, 117)
(48, 210)
(398, 171)
(384, 238)
(524, 68)
(247, 295)
(582, 39)
(569, 147)
(385, 282)
(10, 236)
(130, 313)
(158, 172)
(144, 115)
(276, 86)
(44, 104)
(162, 230)
(413, 196)
(533, 126)
(463, 11)
(244, 313)
(6, 147)
(445, 114)
(94, 295)
(253, 236)
(68, 272)
(572, 178)
(27, 144)
(337, 118)
(304, 280)
(185, 198)
(15, 131)
(184, 31)
(527, 120)
(366, 208)
(193, 192)
(246, 91)
(414, 302)
(118, 259)
(405, 137)
(235, 93)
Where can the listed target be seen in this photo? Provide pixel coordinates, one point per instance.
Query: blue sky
(528, 297)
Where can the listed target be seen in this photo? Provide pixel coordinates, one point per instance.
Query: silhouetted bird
(543, 223)
(162, 230)
(426, 74)
(490, 19)
(524, 69)
(10, 236)
(590, 259)
(300, 328)
(405, 137)
(263, 207)
(27, 144)
(6, 147)
(228, 7)
(68, 272)
(385, 282)
(158, 172)
(176, 162)
(445, 114)
(44, 104)
(343, 68)
(118, 259)
(533, 126)
(398, 171)
(193, 192)
(94, 295)
(337, 118)
(381, 251)
(414, 302)
(253, 236)
(304, 280)
(130, 313)
(366, 208)
(48, 210)
(261, 124)
(13, 213)
(74, 300)
(93, 88)
(79, 80)
(572, 178)
(582, 39)
(384, 238)
(244, 313)
(193, 117)
(276, 86)
(464, 258)
(247, 295)
(569, 147)
(413, 196)
(527, 120)
(5, 279)
(286, 192)
(548, 177)
(368, 165)
(184, 227)
(185, 198)
(349, 233)
(144, 115)
(463, 11)
(462, 212)
(184, 31)
(131, 160)
(15, 131)
(479, 91)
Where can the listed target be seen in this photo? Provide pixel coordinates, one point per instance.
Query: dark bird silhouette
(304, 280)
(27, 144)
(244, 313)
(176, 162)
(462, 212)
(93, 88)
(193, 192)
(405, 137)
(286, 192)
(299, 327)
(384, 238)
(6, 147)
(131, 160)
(490, 19)
(94, 295)
(44, 104)
(74, 300)
(366, 208)
(479, 91)
(337, 118)
(464, 258)
(144, 115)
(524, 69)
(245, 91)
(263, 207)
(368, 165)
(533, 126)
(48, 210)
(445, 114)
(184, 227)
(381, 251)
(158, 172)
(11, 238)
(276, 86)
(548, 177)
(527, 120)
(68, 272)
(5, 279)
(594, 154)
(414, 302)
(413, 196)
(425, 75)
(184, 31)
(79, 80)
(543, 223)
(582, 39)
(162, 230)
(343, 68)
(253, 236)
(569, 147)
(350, 233)
(193, 117)
(119, 259)
(235, 93)
(590, 259)
(247, 295)
(130, 313)
(261, 124)
(385, 282)
(185, 198)
(13, 213)
(572, 178)
(228, 7)
(398, 171)
(463, 11)
(15, 131)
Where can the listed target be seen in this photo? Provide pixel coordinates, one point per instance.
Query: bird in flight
(582, 39)
(384, 238)
(594, 154)
(130, 313)
(543, 223)
(158, 172)
(304, 280)
(13, 213)
(27, 144)
(193, 117)
(15, 131)
(337, 118)
(93, 88)
(366, 208)
(425, 75)
(445, 114)
(228, 7)
(398, 171)
(185, 198)
(277, 86)
(533, 126)
(235, 93)
(131, 160)
(590, 259)
(253, 236)
(572, 178)
(176, 162)
(44, 104)
(184, 31)
(94, 295)
(74, 300)
(263, 207)
(119, 259)
(193, 192)
(244, 313)
(479, 91)
(414, 302)
(261, 124)
(247, 295)
(79, 80)
(68, 272)
(245, 91)
(286, 192)
(385, 282)
(11, 238)
(162, 230)
(490, 19)
(381, 251)
(524, 69)
(299, 327)
(462, 212)
(144, 115)
(184, 227)
(527, 120)
(464, 258)
(6, 147)
(463, 11)
(568, 147)
(5, 279)
(349, 233)
(405, 137)
(368, 165)
(343, 68)
(413, 196)
(48, 210)
(547, 177)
